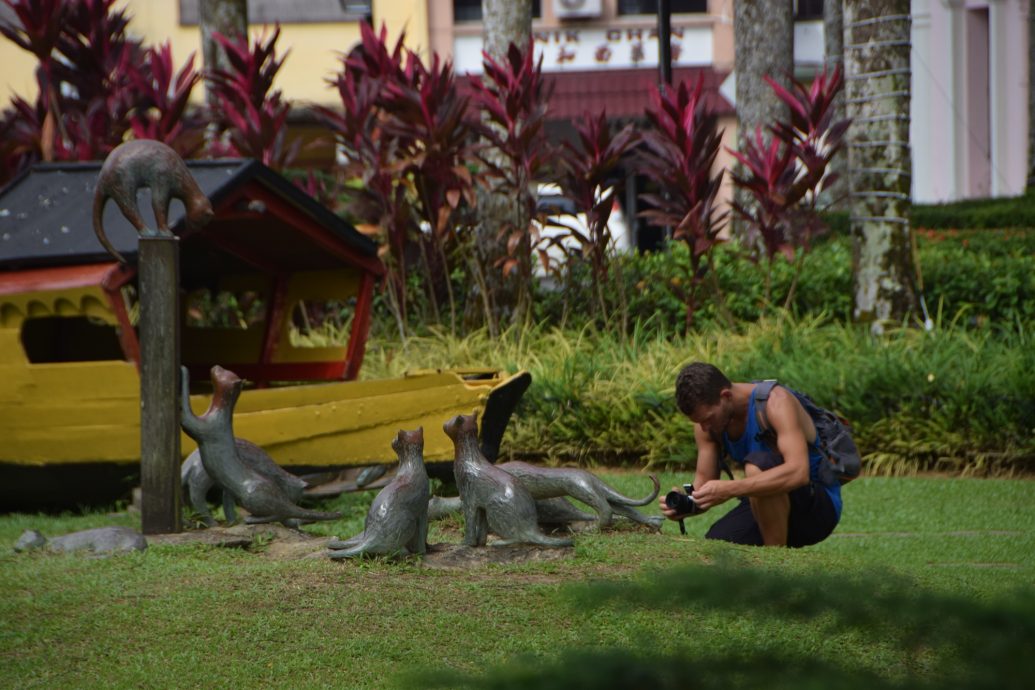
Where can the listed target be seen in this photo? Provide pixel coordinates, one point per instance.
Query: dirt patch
(273, 541)
(461, 557)
(281, 543)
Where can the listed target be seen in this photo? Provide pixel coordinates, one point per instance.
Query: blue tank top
(750, 441)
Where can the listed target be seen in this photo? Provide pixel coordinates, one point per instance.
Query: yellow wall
(314, 48)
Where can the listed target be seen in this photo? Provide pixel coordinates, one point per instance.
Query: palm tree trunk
(504, 22)
(763, 37)
(877, 47)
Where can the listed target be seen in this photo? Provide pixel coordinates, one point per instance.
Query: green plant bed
(926, 583)
(983, 277)
(953, 399)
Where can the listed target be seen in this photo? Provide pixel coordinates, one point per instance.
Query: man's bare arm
(707, 457)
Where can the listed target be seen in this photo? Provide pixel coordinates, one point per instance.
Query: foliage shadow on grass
(945, 641)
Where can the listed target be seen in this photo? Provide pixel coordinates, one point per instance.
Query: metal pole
(159, 383)
(665, 43)
(665, 63)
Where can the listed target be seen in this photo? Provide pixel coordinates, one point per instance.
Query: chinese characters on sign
(606, 47)
(600, 48)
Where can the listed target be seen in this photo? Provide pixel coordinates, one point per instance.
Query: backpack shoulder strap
(761, 396)
(722, 454)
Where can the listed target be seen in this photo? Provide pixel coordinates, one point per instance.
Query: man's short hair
(699, 384)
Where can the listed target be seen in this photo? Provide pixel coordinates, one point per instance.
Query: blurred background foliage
(605, 331)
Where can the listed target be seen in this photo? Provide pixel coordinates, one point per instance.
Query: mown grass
(916, 549)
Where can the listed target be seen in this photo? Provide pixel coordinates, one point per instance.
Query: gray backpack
(833, 435)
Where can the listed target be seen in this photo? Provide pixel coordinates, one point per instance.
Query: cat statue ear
(147, 163)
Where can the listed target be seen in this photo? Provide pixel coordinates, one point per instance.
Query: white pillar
(1008, 91)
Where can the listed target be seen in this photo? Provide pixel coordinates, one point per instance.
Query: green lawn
(927, 582)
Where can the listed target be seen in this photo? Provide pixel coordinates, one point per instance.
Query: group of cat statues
(511, 500)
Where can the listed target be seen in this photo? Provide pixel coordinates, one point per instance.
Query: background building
(970, 86)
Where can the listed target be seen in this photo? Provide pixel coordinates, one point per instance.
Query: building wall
(315, 47)
(969, 114)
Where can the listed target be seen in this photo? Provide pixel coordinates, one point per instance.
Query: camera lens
(680, 502)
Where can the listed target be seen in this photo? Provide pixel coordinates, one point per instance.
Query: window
(471, 10)
(805, 10)
(316, 323)
(651, 6)
(291, 11)
(70, 339)
(225, 310)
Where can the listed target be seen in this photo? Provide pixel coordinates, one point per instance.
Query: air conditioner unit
(576, 9)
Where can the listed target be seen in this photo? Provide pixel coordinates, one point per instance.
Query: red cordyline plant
(427, 116)
(678, 155)
(786, 175)
(98, 59)
(162, 113)
(20, 129)
(85, 61)
(93, 81)
(403, 133)
(38, 28)
(585, 174)
(513, 97)
(251, 114)
(373, 158)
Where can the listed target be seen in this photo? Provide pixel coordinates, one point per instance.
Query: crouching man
(783, 502)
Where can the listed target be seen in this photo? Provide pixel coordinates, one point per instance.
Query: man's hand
(712, 493)
(670, 513)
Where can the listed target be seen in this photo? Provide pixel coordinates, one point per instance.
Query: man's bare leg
(771, 513)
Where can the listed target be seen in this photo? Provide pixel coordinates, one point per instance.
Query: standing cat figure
(262, 496)
(492, 500)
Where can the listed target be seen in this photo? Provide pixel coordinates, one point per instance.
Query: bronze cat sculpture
(100, 540)
(262, 497)
(551, 482)
(493, 500)
(397, 522)
(147, 163)
(197, 482)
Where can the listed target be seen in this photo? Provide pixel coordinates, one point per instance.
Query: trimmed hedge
(1011, 212)
(982, 277)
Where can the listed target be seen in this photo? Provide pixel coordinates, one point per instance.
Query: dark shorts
(812, 517)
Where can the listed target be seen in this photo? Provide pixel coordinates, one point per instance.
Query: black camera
(682, 503)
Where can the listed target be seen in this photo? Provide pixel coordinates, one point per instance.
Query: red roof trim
(55, 278)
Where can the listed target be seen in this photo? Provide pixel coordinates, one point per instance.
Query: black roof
(46, 212)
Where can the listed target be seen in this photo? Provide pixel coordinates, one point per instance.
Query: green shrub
(1011, 212)
(987, 274)
(985, 277)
